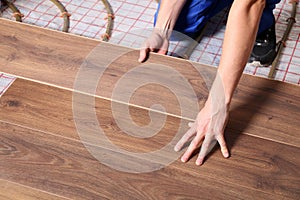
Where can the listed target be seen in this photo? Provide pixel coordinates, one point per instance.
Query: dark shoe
(2, 6)
(264, 50)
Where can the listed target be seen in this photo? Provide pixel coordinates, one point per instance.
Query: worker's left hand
(157, 42)
(209, 128)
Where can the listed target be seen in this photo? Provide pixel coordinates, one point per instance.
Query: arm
(241, 29)
(168, 13)
(240, 34)
(166, 19)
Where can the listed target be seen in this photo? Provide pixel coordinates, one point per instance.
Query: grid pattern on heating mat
(5, 82)
(134, 20)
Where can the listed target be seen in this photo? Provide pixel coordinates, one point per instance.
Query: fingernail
(226, 154)
(176, 149)
(183, 159)
(199, 161)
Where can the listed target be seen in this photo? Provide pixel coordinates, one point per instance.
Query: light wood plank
(262, 108)
(258, 165)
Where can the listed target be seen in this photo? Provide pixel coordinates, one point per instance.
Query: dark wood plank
(260, 166)
(46, 59)
(50, 109)
(267, 109)
(66, 168)
(262, 108)
(14, 191)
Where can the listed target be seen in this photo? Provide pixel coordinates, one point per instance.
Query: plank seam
(101, 97)
(75, 140)
(142, 107)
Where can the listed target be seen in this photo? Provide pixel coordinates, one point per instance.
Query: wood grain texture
(270, 109)
(67, 169)
(44, 143)
(14, 191)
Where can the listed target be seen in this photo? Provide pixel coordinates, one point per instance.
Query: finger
(207, 145)
(143, 54)
(190, 124)
(152, 49)
(162, 51)
(192, 147)
(222, 143)
(186, 137)
(164, 48)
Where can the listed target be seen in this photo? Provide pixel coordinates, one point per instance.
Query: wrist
(216, 104)
(168, 14)
(228, 83)
(164, 34)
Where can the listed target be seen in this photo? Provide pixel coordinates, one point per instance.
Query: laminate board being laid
(270, 108)
(41, 149)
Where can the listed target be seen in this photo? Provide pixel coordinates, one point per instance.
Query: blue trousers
(196, 13)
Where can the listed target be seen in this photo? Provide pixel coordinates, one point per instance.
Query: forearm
(168, 13)
(240, 34)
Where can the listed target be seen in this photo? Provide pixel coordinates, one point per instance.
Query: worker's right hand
(158, 42)
(206, 131)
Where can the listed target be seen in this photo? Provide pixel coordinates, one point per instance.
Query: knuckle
(205, 145)
(194, 143)
(185, 137)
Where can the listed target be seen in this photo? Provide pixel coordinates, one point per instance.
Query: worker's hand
(157, 42)
(209, 128)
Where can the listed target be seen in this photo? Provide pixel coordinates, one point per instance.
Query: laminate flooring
(50, 145)
(41, 149)
(11, 190)
(55, 58)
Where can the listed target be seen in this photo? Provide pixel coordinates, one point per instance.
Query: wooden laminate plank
(46, 59)
(269, 109)
(257, 165)
(51, 109)
(66, 168)
(14, 191)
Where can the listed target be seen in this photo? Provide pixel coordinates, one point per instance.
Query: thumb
(143, 54)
